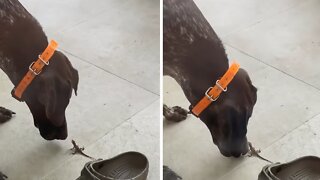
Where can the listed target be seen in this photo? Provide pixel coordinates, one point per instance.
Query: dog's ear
(73, 73)
(252, 87)
(245, 76)
(253, 90)
(48, 96)
(54, 96)
(75, 80)
(250, 91)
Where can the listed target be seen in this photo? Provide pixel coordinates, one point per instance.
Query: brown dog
(195, 57)
(21, 41)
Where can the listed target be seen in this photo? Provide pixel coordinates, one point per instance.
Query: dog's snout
(49, 136)
(53, 135)
(51, 132)
(233, 149)
(232, 153)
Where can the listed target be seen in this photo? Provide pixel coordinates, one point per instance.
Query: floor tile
(123, 36)
(104, 101)
(303, 141)
(279, 101)
(57, 16)
(288, 42)
(136, 134)
(123, 41)
(228, 16)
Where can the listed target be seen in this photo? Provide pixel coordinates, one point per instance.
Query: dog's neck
(14, 68)
(15, 62)
(195, 85)
(198, 69)
(21, 40)
(193, 54)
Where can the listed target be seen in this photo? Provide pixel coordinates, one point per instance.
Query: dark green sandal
(304, 168)
(3, 176)
(126, 166)
(169, 174)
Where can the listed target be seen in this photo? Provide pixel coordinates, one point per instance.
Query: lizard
(77, 150)
(255, 152)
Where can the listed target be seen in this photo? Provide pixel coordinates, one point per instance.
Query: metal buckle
(220, 87)
(32, 70)
(46, 63)
(210, 96)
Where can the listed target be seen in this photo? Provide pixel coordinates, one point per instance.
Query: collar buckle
(220, 87)
(210, 97)
(43, 61)
(213, 93)
(34, 71)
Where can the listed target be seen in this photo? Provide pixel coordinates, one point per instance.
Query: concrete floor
(115, 46)
(278, 43)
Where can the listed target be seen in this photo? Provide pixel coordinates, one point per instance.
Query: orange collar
(213, 93)
(35, 69)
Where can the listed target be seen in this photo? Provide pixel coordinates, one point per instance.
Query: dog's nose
(229, 154)
(49, 136)
(236, 154)
(225, 153)
(234, 151)
(57, 134)
(54, 136)
(239, 152)
(61, 136)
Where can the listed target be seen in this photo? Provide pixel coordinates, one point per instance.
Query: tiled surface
(303, 141)
(136, 134)
(228, 16)
(111, 110)
(57, 16)
(287, 42)
(285, 121)
(121, 37)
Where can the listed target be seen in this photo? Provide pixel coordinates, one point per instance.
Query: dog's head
(48, 96)
(227, 118)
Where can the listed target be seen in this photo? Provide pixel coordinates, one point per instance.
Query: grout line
(81, 21)
(271, 144)
(126, 120)
(84, 60)
(262, 19)
(98, 139)
(289, 132)
(269, 65)
(63, 30)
